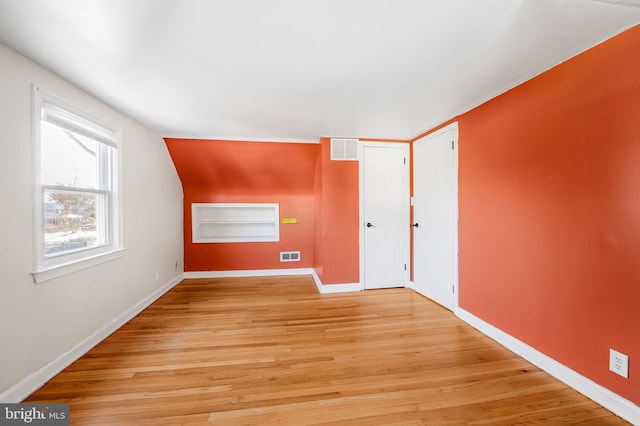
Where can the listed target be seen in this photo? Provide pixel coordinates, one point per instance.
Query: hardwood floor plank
(272, 350)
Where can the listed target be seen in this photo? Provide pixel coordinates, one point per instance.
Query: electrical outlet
(619, 363)
(157, 275)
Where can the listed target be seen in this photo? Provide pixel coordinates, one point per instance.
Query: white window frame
(53, 109)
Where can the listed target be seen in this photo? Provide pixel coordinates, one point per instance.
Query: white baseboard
(253, 273)
(334, 288)
(603, 396)
(31, 383)
(322, 288)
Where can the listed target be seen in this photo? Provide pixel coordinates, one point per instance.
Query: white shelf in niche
(235, 222)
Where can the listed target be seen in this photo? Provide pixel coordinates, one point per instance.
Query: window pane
(73, 221)
(68, 159)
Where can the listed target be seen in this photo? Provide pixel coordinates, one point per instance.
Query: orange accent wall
(321, 194)
(337, 234)
(549, 211)
(248, 172)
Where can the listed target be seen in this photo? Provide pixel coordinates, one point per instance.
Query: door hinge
(404, 160)
(405, 266)
(453, 289)
(452, 144)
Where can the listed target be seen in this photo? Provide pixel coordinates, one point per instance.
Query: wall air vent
(344, 149)
(290, 256)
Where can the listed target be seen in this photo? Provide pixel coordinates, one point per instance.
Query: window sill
(67, 268)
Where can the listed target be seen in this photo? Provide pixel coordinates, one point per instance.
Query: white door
(435, 214)
(384, 177)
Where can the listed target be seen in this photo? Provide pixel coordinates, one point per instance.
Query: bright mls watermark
(34, 414)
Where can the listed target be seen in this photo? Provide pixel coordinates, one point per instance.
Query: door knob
(369, 225)
(415, 225)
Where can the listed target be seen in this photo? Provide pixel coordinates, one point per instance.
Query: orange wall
(248, 172)
(338, 235)
(549, 211)
(321, 194)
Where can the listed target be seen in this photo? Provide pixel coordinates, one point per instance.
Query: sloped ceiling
(296, 70)
(227, 168)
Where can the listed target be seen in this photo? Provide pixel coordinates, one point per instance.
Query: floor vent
(344, 149)
(289, 256)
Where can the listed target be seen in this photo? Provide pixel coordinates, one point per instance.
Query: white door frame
(453, 126)
(407, 212)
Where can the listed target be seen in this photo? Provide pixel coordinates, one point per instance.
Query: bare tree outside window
(70, 166)
(73, 225)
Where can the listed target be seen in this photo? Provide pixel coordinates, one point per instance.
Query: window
(76, 196)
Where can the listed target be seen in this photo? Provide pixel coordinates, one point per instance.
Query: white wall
(40, 324)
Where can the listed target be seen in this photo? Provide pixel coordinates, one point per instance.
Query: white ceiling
(302, 69)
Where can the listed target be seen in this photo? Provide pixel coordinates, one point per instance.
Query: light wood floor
(272, 350)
